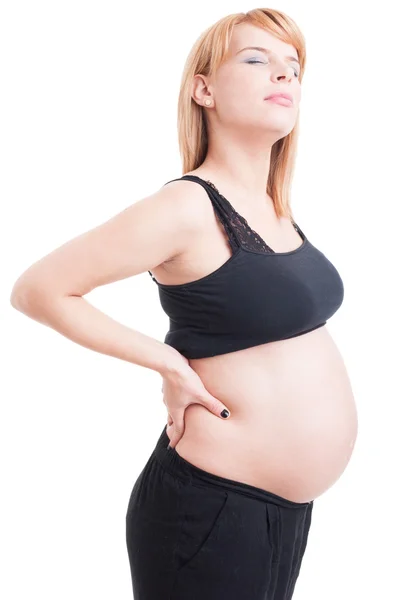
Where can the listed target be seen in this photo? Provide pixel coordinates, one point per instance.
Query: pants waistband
(178, 466)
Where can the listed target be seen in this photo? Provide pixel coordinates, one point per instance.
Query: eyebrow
(267, 51)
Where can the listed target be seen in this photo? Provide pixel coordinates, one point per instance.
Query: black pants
(192, 535)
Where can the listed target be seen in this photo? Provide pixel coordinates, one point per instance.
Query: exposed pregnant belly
(293, 422)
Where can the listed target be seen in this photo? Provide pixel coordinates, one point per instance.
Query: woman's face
(247, 77)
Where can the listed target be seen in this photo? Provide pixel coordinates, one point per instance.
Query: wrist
(173, 363)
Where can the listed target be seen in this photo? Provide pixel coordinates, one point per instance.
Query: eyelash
(253, 62)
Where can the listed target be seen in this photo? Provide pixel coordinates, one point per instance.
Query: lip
(280, 95)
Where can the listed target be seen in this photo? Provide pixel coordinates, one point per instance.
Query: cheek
(227, 85)
(233, 106)
(236, 94)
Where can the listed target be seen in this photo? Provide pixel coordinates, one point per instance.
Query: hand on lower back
(180, 389)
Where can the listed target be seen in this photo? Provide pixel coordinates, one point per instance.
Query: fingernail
(168, 447)
(225, 413)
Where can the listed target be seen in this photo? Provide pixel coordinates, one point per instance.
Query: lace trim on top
(247, 237)
(237, 228)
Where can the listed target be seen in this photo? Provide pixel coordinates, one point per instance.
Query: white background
(88, 126)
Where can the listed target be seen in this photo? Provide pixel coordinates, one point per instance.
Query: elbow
(27, 295)
(14, 300)
(21, 297)
(18, 292)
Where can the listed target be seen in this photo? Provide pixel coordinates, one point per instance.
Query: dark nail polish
(168, 447)
(225, 413)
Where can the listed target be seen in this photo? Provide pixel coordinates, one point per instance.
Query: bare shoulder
(189, 200)
(153, 230)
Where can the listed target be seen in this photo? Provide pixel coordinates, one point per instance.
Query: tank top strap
(222, 207)
(297, 228)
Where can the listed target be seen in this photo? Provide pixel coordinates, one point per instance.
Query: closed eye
(253, 61)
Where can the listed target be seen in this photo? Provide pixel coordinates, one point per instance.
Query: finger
(169, 419)
(177, 431)
(214, 405)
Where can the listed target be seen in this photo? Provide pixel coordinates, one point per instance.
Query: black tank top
(256, 296)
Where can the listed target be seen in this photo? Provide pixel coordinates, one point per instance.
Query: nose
(283, 72)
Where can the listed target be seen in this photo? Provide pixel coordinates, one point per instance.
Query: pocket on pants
(203, 512)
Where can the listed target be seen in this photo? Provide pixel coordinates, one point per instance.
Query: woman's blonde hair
(207, 54)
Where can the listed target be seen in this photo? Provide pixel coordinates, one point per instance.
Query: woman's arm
(77, 319)
(141, 237)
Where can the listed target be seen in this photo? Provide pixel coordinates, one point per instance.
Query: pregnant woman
(261, 417)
